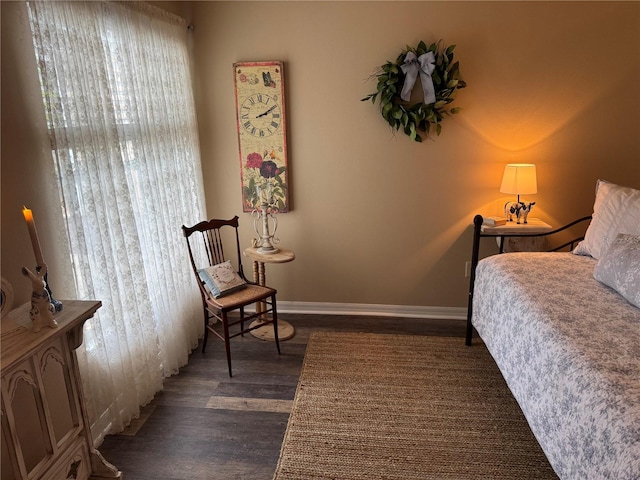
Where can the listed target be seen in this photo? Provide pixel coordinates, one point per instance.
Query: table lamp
(519, 179)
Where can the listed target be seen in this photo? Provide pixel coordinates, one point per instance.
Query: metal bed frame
(477, 235)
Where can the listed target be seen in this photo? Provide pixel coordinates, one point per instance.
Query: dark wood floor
(205, 425)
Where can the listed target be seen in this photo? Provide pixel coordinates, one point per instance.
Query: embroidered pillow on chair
(221, 279)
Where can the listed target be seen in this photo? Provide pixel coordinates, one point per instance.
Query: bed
(567, 341)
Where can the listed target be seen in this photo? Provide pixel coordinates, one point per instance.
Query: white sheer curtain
(118, 100)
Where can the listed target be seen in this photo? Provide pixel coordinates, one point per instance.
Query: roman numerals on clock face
(260, 115)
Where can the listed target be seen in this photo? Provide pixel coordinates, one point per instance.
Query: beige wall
(376, 218)
(27, 167)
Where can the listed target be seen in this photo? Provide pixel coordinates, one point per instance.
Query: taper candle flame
(33, 233)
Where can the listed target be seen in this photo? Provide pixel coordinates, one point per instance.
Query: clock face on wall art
(262, 132)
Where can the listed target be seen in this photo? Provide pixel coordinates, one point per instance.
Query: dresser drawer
(72, 464)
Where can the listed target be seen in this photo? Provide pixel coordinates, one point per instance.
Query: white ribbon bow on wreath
(425, 65)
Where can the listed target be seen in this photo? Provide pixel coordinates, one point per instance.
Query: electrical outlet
(467, 269)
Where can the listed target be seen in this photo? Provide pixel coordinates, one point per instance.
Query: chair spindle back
(210, 246)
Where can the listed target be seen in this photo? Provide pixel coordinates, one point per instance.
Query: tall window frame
(119, 107)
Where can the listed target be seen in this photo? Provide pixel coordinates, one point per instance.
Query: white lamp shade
(519, 179)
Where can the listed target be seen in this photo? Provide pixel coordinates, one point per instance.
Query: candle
(28, 217)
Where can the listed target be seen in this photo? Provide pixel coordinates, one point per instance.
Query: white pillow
(616, 210)
(619, 267)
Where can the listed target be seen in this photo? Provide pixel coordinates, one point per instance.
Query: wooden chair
(206, 241)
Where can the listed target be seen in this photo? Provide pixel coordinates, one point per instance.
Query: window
(118, 102)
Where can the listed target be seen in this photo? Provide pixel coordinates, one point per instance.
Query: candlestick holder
(42, 309)
(263, 217)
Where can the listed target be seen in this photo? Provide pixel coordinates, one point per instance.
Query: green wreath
(438, 73)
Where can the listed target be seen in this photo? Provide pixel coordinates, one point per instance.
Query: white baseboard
(374, 310)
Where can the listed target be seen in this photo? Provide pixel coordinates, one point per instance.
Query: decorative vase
(265, 222)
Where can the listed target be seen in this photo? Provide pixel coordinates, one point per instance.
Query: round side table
(285, 329)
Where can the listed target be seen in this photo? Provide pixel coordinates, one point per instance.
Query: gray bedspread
(569, 349)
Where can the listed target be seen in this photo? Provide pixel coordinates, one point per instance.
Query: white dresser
(45, 432)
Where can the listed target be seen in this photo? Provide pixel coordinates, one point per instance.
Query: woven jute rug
(373, 406)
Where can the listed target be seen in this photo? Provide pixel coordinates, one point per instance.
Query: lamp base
(268, 250)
